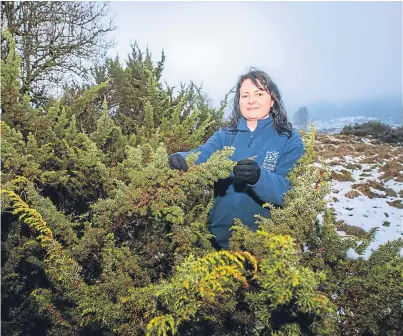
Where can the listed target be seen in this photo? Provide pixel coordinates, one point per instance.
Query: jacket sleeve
(213, 144)
(272, 186)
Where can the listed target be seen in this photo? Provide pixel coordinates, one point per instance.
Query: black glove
(177, 161)
(248, 171)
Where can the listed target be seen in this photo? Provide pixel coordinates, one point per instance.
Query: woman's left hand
(248, 171)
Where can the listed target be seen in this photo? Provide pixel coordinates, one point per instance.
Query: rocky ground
(367, 185)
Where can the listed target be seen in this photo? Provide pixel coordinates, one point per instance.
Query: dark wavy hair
(278, 111)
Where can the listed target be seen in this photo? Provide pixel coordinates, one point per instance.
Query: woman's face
(254, 103)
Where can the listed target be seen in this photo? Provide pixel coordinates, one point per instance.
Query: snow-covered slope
(367, 186)
(336, 125)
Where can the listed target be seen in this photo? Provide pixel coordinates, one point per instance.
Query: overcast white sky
(313, 50)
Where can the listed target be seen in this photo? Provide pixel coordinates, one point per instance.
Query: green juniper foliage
(377, 130)
(100, 237)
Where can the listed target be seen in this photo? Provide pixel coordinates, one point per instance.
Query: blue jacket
(276, 155)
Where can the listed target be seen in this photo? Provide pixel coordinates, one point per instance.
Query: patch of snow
(332, 138)
(319, 217)
(334, 158)
(394, 185)
(377, 191)
(351, 254)
(338, 168)
(365, 212)
(353, 159)
(374, 174)
(367, 141)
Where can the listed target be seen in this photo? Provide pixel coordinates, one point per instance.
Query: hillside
(336, 125)
(367, 185)
(384, 108)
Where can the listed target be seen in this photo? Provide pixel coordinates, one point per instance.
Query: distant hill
(387, 109)
(335, 125)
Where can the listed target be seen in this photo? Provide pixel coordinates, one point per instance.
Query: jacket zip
(250, 140)
(251, 136)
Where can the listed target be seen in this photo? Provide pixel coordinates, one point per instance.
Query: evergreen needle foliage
(100, 237)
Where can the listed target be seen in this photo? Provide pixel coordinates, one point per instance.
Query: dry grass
(342, 145)
(352, 194)
(327, 141)
(351, 229)
(392, 170)
(384, 153)
(390, 192)
(365, 188)
(397, 204)
(347, 137)
(342, 176)
(369, 160)
(379, 186)
(329, 151)
(363, 148)
(378, 158)
(353, 166)
(385, 157)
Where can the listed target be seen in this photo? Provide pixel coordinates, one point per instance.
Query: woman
(259, 129)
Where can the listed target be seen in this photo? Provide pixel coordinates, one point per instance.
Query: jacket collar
(242, 126)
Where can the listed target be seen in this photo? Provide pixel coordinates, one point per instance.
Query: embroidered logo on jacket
(270, 160)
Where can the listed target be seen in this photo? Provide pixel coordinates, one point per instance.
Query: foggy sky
(314, 51)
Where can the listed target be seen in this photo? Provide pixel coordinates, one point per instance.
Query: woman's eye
(244, 96)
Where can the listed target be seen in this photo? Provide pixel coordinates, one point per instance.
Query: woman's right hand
(177, 161)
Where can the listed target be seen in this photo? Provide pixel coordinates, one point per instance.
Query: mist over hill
(388, 110)
(385, 109)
